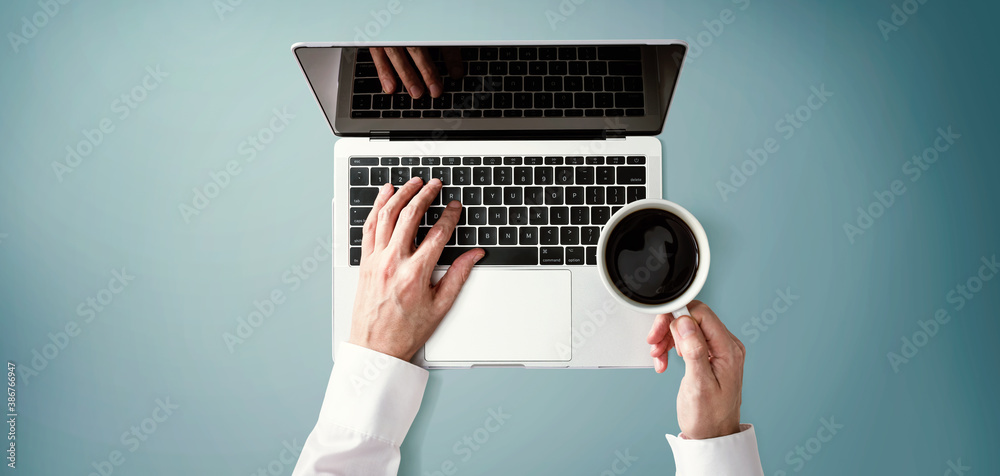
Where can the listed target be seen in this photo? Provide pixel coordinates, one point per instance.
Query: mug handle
(681, 312)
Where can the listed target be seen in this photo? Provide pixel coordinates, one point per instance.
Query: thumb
(691, 344)
(453, 280)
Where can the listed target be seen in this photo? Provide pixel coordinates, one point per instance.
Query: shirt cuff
(373, 393)
(731, 455)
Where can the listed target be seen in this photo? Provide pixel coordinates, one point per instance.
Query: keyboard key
(593, 84)
(417, 113)
(593, 160)
(553, 195)
(594, 112)
(492, 196)
(434, 214)
(363, 195)
(589, 235)
(361, 101)
(508, 53)
(537, 68)
(558, 68)
(399, 175)
(518, 216)
(522, 176)
(631, 175)
(462, 176)
(559, 215)
(481, 176)
(605, 175)
(359, 176)
(604, 100)
(547, 53)
(573, 83)
(487, 235)
(551, 255)
(488, 53)
(543, 100)
(636, 159)
(635, 193)
(511, 256)
(472, 196)
(615, 195)
(574, 160)
(365, 115)
(528, 235)
(503, 175)
(392, 114)
(615, 160)
(512, 161)
(528, 53)
(443, 102)
(497, 216)
(355, 256)
(367, 85)
(569, 235)
(533, 83)
(508, 235)
(448, 194)
(472, 113)
(364, 161)
(451, 161)
(633, 83)
(498, 68)
(479, 68)
(519, 68)
(578, 68)
(597, 68)
(585, 175)
(410, 161)
(564, 175)
(635, 112)
(477, 215)
(512, 196)
(619, 52)
(359, 215)
(472, 161)
(587, 52)
(595, 195)
(567, 53)
(364, 70)
(623, 100)
(564, 100)
(466, 236)
(538, 216)
(575, 255)
(553, 160)
(401, 101)
(534, 196)
(549, 235)
(553, 83)
(579, 215)
(543, 175)
(382, 101)
(591, 255)
(423, 172)
(390, 160)
(503, 100)
(600, 215)
(613, 83)
(575, 196)
(443, 174)
(625, 68)
(522, 100)
(533, 161)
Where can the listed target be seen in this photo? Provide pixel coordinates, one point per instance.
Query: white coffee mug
(678, 305)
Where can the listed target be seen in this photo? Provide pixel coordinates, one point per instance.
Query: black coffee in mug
(651, 256)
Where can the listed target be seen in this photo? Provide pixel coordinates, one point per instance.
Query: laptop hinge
(614, 134)
(379, 135)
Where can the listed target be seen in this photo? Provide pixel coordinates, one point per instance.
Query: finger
(409, 217)
(369, 230)
(411, 80)
(690, 339)
(453, 280)
(430, 249)
(427, 69)
(660, 329)
(660, 347)
(453, 61)
(389, 213)
(720, 341)
(660, 363)
(386, 75)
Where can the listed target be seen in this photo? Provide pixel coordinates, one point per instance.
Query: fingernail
(685, 327)
(434, 181)
(385, 188)
(454, 204)
(478, 257)
(417, 91)
(436, 90)
(386, 87)
(416, 180)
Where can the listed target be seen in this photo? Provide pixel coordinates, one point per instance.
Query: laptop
(541, 141)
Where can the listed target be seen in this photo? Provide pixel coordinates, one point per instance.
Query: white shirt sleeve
(732, 455)
(370, 403)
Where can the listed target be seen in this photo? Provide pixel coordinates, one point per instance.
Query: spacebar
(521, 255)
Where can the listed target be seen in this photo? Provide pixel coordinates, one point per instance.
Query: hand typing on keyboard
(396, 308)
(395, 60)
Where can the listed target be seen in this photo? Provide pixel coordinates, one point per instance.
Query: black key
(472, 196)
(462, 176)
(423, 172)
(619, 52)
(359, 176)
(574, 196)
(451, 161)
(585, 175)
(497, 216)
(468, 113)
(512, 196)
(488, 53)
(564, 175)
(392, 114)
(573, 83)
(635, 193)
(597, 68)
(633, 83)
(423, 102)
(553, 113)
(613, 83)
(574, 255)
(510, 255)
(574, 160)
(482, 100)
(604, 100)
(559, 215)
(537, 68)
(594, 112)
(553, 83)
(538, 216)
(498, 68)
(636, 159)
(631, 175)
(592, 160)
(578, 68)
(390, 160)
(508, 53)
(492, 160)
(628, 100)
(416, 113)
(528, 235)
(532, 83)
(493, 83)
(362, 70)
(574, 112)
(593, 83)
(401, 101)
(364, 161)
(450, 193)
(615, 195)
(472, 161)
(381, 101)
(365, 114)
(503, 175)
(367, 85)
(359, 215)
(564, 100)
(615, 209)
(443, 102)
(595, 195)
(512, 161)
(434, 214)
(410, 160)
(533, 161)
(466, 236)
(503, 100)
(487, 235)
(534, 196)
(543, 175)
(527, 53)
(481, 175)
(518, 67)
(479, 68)
(600, 215)
(355, 256)
(615, 160)
(462, 100)
(567, 53)
(553, 160)
(432, 114)
(625, 68)
(508, 235)
(421, 234)
(547, 53)
(589, 235)
(363, 195)
(557, 68)
(551, 255)
(605, 175)
(361, 101)
(492, 196)
(443, 174)
(522, 100)
(587, 52)
(518, 216)
(512, 83)
(553, 195)
(477, 215)
(579, 215)
(635, 112)
(522, 175)
(470, 53)
(549, 235)
(591, 255)
(543, 100)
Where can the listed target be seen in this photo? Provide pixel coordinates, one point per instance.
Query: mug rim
(704, 255)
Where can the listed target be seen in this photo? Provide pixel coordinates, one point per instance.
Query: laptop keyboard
(521, 210)
(557, 81)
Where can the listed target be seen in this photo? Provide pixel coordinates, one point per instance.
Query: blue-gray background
(63, 235)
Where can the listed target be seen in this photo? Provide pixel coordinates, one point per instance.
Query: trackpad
(507, 315)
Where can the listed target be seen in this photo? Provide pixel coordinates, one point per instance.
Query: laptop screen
(515, 90)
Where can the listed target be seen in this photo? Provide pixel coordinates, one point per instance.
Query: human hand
(393, 60)
(396, 308)
(708, 402)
